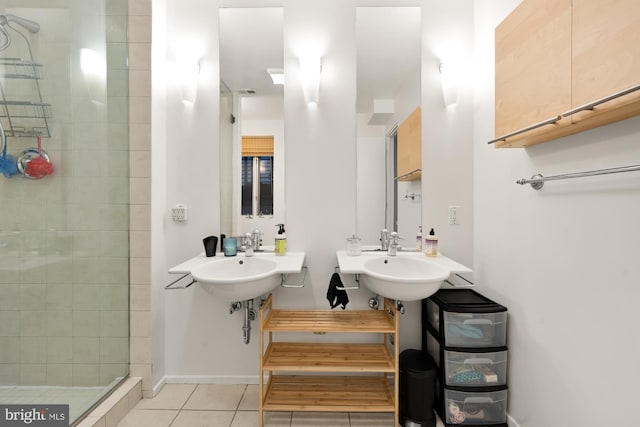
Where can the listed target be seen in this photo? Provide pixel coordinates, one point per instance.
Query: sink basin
(238, 278)
(402, 278)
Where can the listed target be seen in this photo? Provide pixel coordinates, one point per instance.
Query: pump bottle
(431, 243)
(281, 241)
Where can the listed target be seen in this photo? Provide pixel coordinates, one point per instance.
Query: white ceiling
(388, 50)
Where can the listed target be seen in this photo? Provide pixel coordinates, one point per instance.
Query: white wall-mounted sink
(240, 278)
(402, 278)
(408, 276)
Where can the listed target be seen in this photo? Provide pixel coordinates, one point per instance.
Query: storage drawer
(475, 408)
(475, 329)
(475, 368)
(433, 314)
(465, 318)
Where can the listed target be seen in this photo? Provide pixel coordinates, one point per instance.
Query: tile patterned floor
(221, 405)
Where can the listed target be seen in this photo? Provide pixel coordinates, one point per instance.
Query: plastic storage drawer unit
(464, 318)
(464, 368)
(475, 407)
(473, 367)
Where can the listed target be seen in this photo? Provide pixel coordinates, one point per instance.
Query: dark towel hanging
(337, 296)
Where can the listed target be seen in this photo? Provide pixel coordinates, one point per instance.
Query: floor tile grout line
(246, 386)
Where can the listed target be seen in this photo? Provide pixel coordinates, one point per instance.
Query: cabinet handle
(478, 361)
(608, 98)
(407, 174)
(550, 121)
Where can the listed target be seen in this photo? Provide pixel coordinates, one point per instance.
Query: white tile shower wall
(64, 254)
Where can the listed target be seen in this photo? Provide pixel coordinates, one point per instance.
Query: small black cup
(222, 237)
(210, 245)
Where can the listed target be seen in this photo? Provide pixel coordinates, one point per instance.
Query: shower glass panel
(64, 236)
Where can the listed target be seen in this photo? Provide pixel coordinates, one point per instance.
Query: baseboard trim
(156, 388)
(210, 379)
(512, 422)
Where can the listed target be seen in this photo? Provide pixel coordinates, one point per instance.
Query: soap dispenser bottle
(281, 241)
(431, 243)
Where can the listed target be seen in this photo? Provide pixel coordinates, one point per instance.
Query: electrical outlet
(453, 215)
(179, 213)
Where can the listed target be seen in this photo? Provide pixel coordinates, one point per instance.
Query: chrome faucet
(393, 244)
(384, 239)
(247, 246)
(256, 239)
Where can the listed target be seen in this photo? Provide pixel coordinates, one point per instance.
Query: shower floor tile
(79, 399)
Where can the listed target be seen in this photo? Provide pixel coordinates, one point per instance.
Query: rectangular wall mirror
(251, 121)
(388, 122)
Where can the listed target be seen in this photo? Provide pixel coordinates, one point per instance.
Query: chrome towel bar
(170, 286)
(537, 181)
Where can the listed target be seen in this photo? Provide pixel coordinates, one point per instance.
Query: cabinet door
(409, 162)
(606, 52)
(533, 65)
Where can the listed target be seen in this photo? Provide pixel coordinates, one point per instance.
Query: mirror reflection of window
(252, 184)
(257, 175)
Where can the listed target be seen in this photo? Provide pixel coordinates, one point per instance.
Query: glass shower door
(64, 236)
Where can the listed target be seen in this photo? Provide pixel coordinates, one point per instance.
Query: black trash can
(417, 389)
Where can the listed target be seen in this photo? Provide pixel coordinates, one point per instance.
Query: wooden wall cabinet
(409, 157)
(553, 56)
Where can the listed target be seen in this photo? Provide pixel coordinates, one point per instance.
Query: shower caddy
(23, 114)
(23, 117)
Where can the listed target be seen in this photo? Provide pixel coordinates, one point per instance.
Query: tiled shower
(64, 238)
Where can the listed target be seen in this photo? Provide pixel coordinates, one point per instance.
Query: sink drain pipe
(249, 315)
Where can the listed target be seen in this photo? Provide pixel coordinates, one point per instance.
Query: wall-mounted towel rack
(283, 279)
(170, 286)
(537, 181)
(348, 288)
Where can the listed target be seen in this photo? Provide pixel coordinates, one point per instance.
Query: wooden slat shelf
(315, 357)
(313, 376)
(329, 321)
(329, 393)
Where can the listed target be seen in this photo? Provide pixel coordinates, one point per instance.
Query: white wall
(564, 260)
(203, 341)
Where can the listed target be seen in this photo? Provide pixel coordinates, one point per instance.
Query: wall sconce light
(310, 67)
(188, 72)
(449, 83)
(277, 75)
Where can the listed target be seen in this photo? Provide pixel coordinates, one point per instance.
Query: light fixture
(449, 83)
(310, 67)
(188, 71)
(277, 75)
